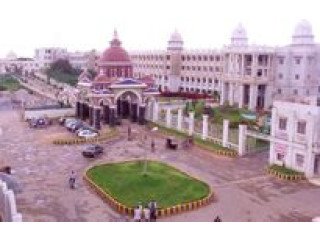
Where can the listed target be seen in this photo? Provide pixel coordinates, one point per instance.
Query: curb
(163, 212)
(283, 176)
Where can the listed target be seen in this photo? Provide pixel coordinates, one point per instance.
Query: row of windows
(296, 76)
(299, 159)
(195, 90)
(192, 79)
(301, 125)
(211, 58)
(297, 60)
(295, 91)
(201, 58)
(203, 68)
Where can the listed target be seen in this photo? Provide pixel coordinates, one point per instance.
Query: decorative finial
(115, 34)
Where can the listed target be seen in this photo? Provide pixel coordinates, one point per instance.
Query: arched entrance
(130, 106)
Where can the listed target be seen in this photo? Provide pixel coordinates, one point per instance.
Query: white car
(87, 134)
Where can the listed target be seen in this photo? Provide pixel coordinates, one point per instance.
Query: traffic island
(126, 184)
(284, 173)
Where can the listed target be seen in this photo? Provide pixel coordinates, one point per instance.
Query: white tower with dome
(239, 36)
(303, 34)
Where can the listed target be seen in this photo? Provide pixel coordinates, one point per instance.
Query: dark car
(39, 122)
(76, 126)
(92, 151)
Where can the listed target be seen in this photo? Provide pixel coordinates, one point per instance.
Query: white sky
(147, 24)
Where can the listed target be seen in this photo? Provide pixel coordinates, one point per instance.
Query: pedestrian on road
(72, 180)
(129, 133)
(217, 219)
(137, 214)
(146, 214)
(153, 146)
(153, 211)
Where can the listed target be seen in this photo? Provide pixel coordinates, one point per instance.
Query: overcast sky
(147, 24)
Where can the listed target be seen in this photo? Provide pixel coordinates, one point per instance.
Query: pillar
(77, 109)
(81, 113)
(274, 121)
(222, 95)
(86, 111)
(241, 96)
(119, 107)
(106, 112)
(225, 137)
(253, 98)
(179, 123)
(168, 117)
(155, 112)
(310, 156)
(231, 100)
(134, 112)
(97, 118)
(142, 112)
(91, 115)
(112, 116)
(205, 126)
(242, 140)
(291, 128)
(191, 123)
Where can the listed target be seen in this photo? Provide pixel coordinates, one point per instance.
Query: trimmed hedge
(285, 173)
(77, 140)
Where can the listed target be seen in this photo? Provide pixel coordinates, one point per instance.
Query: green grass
(284, 170)
(8, 83)
(230, 113)
(127, 184)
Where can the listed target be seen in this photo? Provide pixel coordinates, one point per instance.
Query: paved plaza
(244, 192)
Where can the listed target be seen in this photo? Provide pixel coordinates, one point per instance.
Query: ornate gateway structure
(114, 94)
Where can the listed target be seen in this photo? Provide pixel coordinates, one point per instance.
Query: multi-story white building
(45, 56)
(243, 74)
(295, 138)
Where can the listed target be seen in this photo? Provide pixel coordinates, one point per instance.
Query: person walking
(153, 210)
(137, 214)
(153, 146)
(146, 214)
(72, 180)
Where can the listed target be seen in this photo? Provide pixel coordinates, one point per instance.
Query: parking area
(243, 190)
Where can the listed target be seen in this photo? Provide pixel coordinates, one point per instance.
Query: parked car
(76, 126)
(92, 151)
(68, 121)
(86, 127)
(87, 134)
(39, 122)
(70, 125)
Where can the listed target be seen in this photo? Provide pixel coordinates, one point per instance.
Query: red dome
(115, 54)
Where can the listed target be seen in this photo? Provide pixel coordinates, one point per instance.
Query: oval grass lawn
(126, 183)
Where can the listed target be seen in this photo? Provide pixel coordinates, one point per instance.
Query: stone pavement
(244, 191)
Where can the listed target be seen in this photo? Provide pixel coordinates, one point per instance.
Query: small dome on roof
(239, 36)
(175, 42)
(303, 33)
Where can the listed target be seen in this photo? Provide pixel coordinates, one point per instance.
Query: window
(298, 61)
(280, 156)
(282, 123)
(301, 127)
(297, 76)
(295, 92)
(281, 60)
(280, 76)
(319, 89)
(299, 160)
(168, 57)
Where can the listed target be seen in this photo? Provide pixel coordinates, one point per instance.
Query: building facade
(295, 138)
(244, 75)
